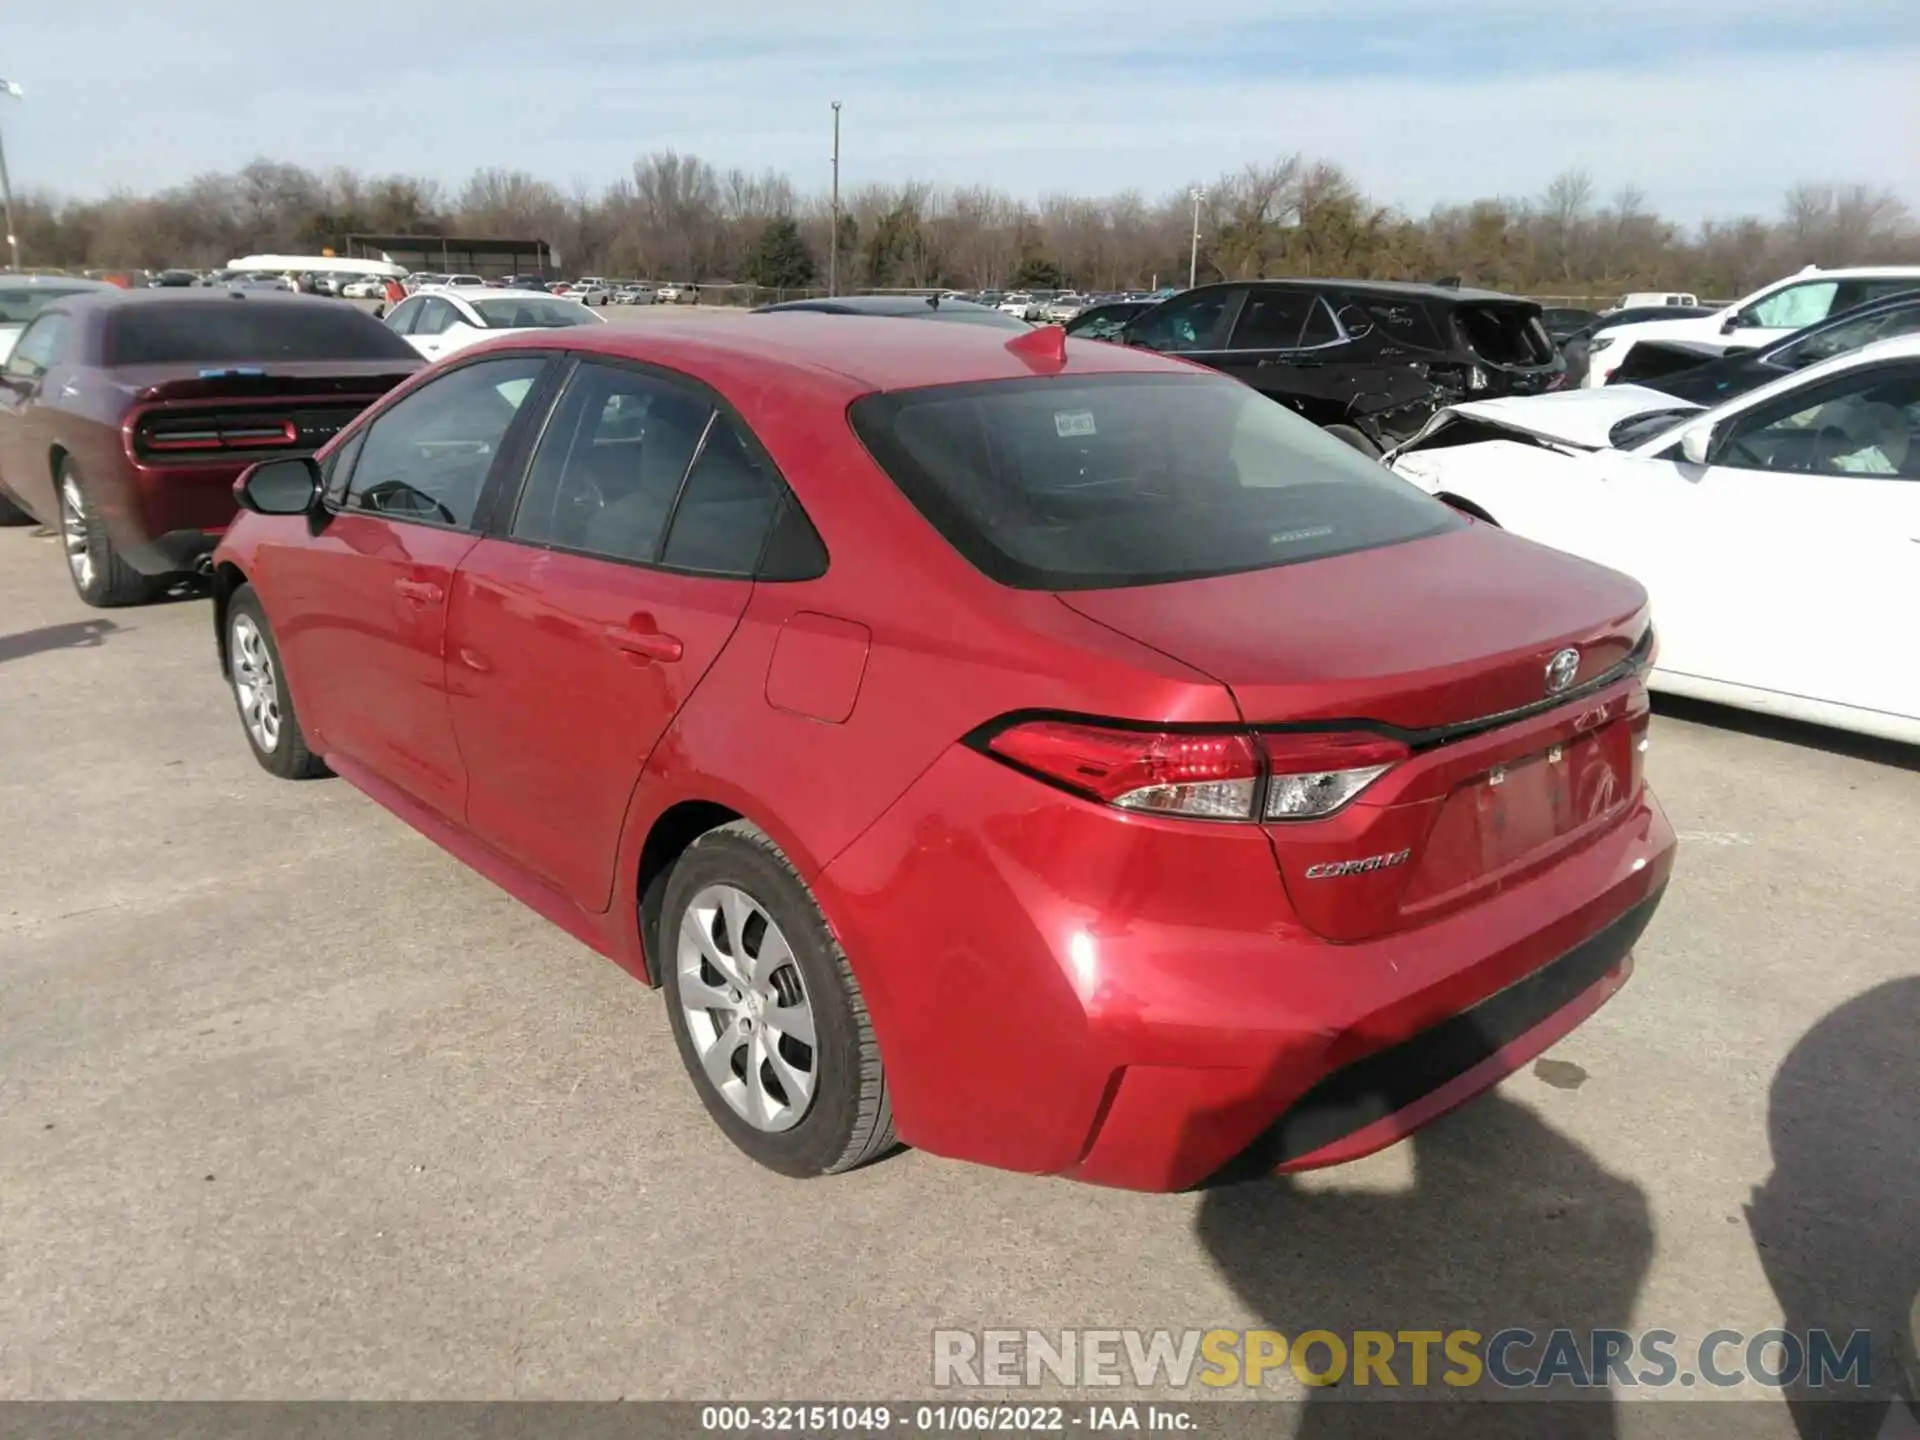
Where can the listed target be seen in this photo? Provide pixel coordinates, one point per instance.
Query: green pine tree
(780, 259)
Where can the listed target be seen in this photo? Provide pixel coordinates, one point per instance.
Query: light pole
(833, 239)
(1193, 258)
(6, 187)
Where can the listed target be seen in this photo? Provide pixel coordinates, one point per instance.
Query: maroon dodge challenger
(126, 416)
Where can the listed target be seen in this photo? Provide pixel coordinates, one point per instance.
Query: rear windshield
(228, 331)
(522, 313)
(1104, 481)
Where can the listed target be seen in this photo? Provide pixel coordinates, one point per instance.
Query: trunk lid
(1444, 642)
(1431, 633)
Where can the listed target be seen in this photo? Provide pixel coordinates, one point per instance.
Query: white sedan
(439, 322)
(1778, 534)
(1770, 313)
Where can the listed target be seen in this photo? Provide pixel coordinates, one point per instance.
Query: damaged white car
(1778, 534)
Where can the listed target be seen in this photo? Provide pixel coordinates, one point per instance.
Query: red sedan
(1045, 752)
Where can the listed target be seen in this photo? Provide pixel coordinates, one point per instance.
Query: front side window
(1198, 322)
(437, 317)
(428, 457)
(406, 315)
(1861, 424)
(1792, 307)
(1058, 484)
(610, 464)
(38, 347)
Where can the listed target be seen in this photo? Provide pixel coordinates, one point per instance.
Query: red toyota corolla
(1051, 754)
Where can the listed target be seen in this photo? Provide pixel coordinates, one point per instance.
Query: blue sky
(1711, 107)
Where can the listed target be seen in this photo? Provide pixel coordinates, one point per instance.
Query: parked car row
(911, 618)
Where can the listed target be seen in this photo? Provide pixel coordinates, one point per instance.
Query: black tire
(288, 755)
(107, 581)
(1354, 438)
(849, 1118)
(11, 513)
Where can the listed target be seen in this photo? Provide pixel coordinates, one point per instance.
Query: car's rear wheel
(100, 575)
(260, 692)
(1354, 438)
(764, 1007)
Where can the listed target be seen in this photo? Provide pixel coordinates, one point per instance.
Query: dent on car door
(580, 628)
(360, 608)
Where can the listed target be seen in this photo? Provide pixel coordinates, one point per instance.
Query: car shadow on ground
(1790, 732)
(1837, 1222)
(1507, 1224)
(76, 635)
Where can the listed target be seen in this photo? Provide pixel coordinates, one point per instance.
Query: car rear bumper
(1127, 1001)
(173, 553)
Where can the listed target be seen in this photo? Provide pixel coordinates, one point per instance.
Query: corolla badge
(1561, 669)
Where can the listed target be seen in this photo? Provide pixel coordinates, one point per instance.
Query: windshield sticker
(1071, 423)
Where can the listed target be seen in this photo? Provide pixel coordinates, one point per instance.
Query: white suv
(1768, 314)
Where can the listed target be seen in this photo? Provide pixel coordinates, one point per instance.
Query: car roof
(73, 282)
(875, 305)
(1853, 272)
(108, 297)
(861, 358)
(1411, 289)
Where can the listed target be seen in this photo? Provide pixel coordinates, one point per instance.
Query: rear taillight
(1212, 775)
(1312, 774)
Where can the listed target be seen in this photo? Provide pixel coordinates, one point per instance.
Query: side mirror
(1731, 324)
(1696, 443)
(279, 487)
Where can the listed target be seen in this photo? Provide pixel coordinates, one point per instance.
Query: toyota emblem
(1561, 669)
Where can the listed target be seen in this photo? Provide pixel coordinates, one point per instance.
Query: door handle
(645, 644)
(421, 592)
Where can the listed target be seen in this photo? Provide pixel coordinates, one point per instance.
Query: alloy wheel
(253, 684)
(747, 1008)
(73, 533)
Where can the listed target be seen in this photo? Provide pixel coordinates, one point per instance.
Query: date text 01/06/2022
(961, 1418)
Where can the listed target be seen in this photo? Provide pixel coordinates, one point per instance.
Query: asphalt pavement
(294, 1105)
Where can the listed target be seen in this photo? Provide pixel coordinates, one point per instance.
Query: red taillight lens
(1210, 777)
(1314, 774)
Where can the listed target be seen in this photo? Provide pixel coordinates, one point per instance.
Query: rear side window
(1092, 483)
(1273, 320)
(226, 331)
(610, 464)
(1504, 334)
(720, 523)
(1402, 321)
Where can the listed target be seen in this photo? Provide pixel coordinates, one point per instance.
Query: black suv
(1369, 360)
